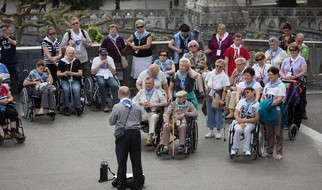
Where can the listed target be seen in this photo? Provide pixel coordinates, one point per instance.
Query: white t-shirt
(276, 59)
(261, 73)
(159, 80)
(242, 85)
(271, 92)
(103, 71)
(217, 81)
(247, 109)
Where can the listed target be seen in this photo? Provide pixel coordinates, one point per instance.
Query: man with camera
(150, 99)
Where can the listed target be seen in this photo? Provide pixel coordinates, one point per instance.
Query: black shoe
(304, 116)
(181, 149)
(66, 112)
(78, 111)
(165, 150)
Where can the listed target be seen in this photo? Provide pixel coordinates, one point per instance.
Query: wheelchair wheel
(88, 90)
(21, 140)
(260, 140)
(1, 139)
(23, 108)
(230, 140)
(292, 131)
(194, 136)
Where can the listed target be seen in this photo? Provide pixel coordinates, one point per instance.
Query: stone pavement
(65, 154)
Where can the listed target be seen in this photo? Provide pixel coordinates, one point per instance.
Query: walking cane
(173, 136)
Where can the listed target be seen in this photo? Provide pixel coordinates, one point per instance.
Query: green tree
(84, 4)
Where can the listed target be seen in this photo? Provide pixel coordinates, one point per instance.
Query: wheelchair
(59, 98)
(191, 141)
(91, 91)
(19, 128)
(257, 143)
(29, 102)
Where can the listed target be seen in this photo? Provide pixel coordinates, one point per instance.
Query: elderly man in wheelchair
(8, 112)
(70, 73)
(181, 111)
(40, 81)
(150, 99)
(246, 116)
(103, 68)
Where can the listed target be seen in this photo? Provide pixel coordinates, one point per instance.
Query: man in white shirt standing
(103, 68)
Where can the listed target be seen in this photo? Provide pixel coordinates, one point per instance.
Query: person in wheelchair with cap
(7, 112)
(150, 99)
(246, 114)
(182, 110)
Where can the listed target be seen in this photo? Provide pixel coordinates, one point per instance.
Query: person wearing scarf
(107, 43)
(179, 43)
(70, 72)
(127, 114)
(51, 51)
(166, 65)
(150, 98)
(246, 116)
(261, 68)
(275, 55)
(140, 41)
(274, 91)
(182, 110)
(184, 79)
(249, 81)
(37, 78)
(219, 43)
(236, 50)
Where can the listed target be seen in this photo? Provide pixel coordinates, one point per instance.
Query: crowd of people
(232, 87)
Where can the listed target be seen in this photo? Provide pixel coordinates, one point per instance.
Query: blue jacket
(268, 114)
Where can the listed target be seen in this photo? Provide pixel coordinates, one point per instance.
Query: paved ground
(66, 154)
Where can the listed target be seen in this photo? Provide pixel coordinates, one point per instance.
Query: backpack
(70, 34)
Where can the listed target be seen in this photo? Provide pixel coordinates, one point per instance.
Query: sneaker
(304, 116)
(165, 150)
(41, 111)
(15, 134)
(66, 111)
(209, 135)
(218, 135)
(247, 153)
(78, 111)
(181, 149)
(233, 151)
(266, 155)
(278, 157)
(6, 134)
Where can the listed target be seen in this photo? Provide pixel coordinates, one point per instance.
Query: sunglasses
(52, 33)
(259, 59)
(164, 55)
(75, 23)
(218, 66)
(139, 27)
(193, 46)
(293, 50)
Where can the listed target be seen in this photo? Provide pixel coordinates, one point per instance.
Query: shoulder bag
(119, 133)
(214, 101)
(124, 61)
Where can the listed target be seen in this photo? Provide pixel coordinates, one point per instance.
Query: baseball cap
(103, 51)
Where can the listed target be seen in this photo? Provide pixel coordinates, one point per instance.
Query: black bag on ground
(129, 181)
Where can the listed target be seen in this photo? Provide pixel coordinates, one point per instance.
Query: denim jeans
(76, 90)
(214, 117)
(112, 83)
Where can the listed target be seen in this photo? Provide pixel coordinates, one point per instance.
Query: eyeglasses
(293, 49)
(52, 33)
(193, 46)
(164, 55)
(139, 27)
(259, 59)
(75, 23)
(218, 66)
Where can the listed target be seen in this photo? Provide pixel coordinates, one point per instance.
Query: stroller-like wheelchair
(19, 128)
(257, 143)
(92, 94)
(191, 141)
(29, 102)
(59, 98)
(293, 90)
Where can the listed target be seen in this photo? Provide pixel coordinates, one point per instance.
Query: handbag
(215, 102)
(124, 61)
(119, 133)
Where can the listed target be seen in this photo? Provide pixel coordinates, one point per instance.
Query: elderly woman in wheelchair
(7, 112)
(182, 111)
(246, 116)
(40, 81)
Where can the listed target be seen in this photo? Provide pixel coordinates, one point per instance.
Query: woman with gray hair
(142, 52)
(184, 79)
(216, 85)
(275, 55)
(198, 63)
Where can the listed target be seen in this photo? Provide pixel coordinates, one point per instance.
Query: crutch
(173, 136)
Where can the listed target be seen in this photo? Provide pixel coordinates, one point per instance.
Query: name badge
(218, 52)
